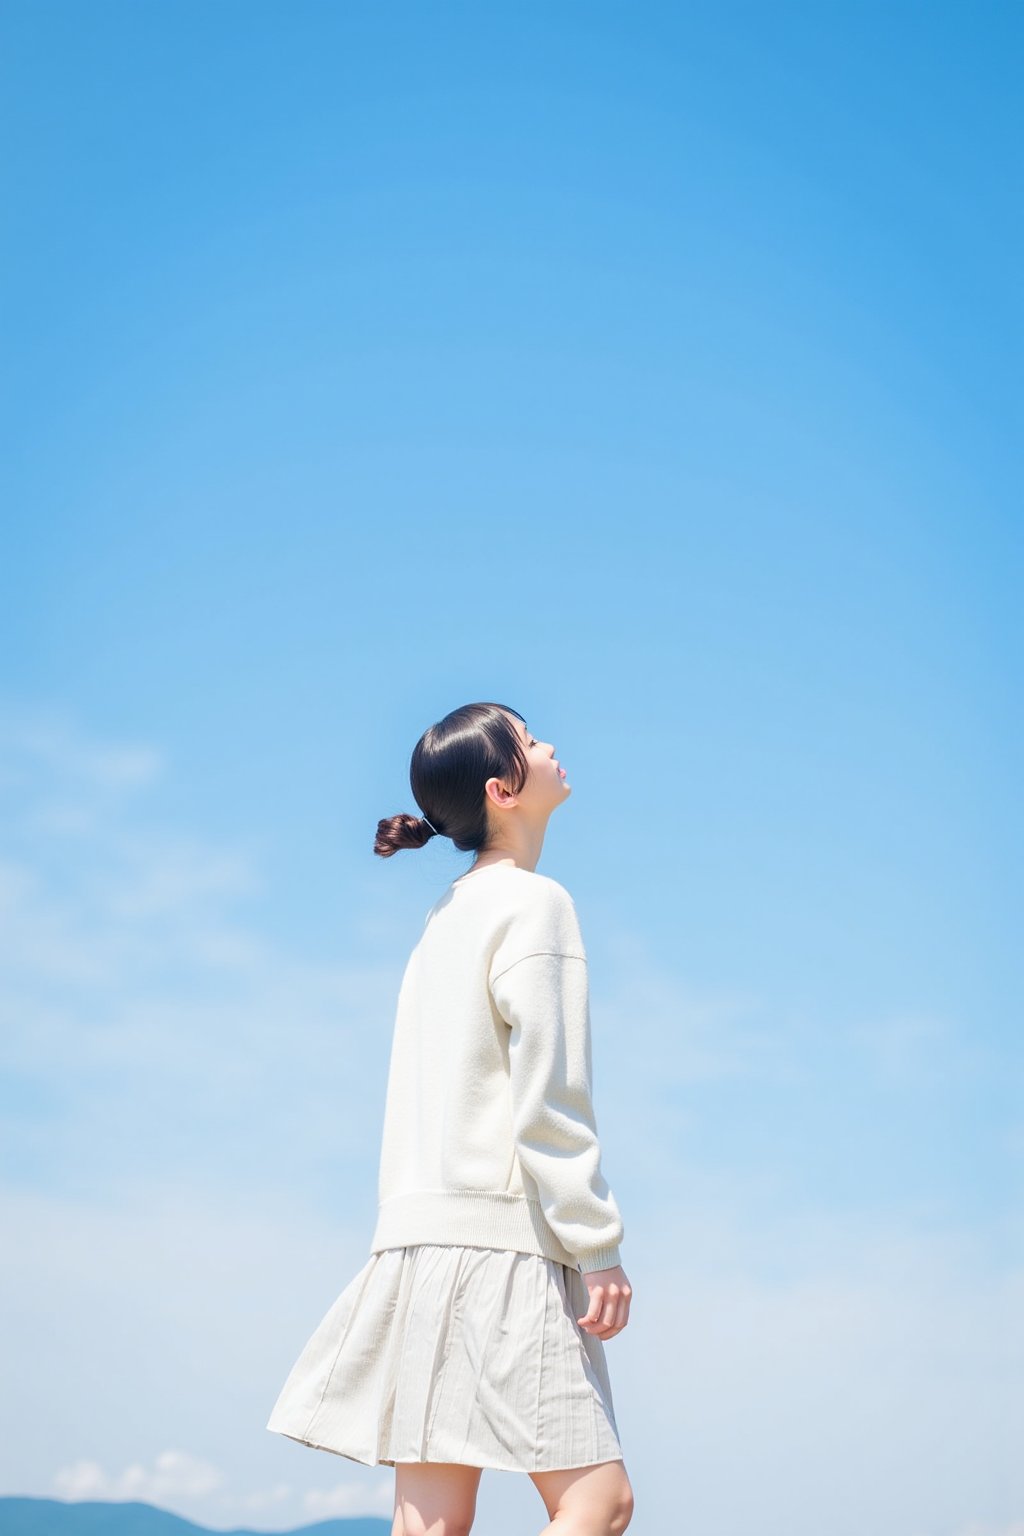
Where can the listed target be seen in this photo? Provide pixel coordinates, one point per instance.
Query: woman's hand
(610, 1293)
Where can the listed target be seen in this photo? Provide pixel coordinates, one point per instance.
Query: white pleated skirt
(442, 1353)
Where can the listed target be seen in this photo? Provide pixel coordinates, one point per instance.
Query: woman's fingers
(608, 1312)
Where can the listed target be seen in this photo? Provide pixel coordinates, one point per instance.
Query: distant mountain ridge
(127, 1517)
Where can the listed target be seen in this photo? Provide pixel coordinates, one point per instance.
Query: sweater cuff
(600, 1258)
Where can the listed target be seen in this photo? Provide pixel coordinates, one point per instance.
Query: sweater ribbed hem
(478, 1219)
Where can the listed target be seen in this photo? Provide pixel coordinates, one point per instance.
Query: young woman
(474, 1335)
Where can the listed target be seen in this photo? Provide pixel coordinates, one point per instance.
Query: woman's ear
(495, 791)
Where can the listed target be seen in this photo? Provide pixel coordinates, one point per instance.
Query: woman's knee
(622, 1513)
(618, 1509)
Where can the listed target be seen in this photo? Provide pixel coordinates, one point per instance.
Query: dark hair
(451, 763)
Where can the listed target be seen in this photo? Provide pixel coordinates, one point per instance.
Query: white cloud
(50, 741)
(261, 1500)
(187, 1484)
(172, 1476)
(345, 1499)
(148, 1026)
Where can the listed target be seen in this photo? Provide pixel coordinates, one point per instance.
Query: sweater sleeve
(544, 999)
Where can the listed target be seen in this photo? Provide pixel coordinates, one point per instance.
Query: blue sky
(654, 370)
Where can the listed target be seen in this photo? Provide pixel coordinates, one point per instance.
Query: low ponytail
(401, 831)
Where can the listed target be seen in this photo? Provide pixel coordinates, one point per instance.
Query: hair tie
(430, 824)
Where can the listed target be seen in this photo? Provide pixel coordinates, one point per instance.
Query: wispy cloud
(172, 1476)
(51, 742)
(343, 1499)
(150, 1026)
(194, 1488)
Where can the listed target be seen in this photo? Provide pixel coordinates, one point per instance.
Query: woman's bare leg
(586, 1501)
(434, 1498)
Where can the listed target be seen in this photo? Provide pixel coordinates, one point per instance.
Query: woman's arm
(544, 999)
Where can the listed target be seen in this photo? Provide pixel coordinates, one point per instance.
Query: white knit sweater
(489, 1133)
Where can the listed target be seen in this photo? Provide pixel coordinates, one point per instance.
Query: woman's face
(547, 785)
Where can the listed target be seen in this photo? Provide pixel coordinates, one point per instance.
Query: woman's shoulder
(508, 896)
(529, 890)
(539, 918)
(545, 888)
(513, 881)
